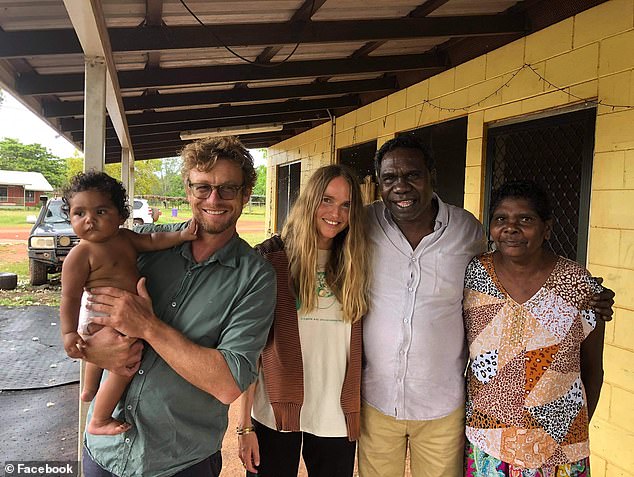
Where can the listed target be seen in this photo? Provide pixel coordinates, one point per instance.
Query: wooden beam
(207, 98)
(307, 10)
(113, 155)
(149, 134)
(163, 38)
(35, 84)
(426, 8)
(156, 119)
(154, 12)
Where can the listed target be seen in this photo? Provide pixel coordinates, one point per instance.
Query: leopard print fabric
(526, 402)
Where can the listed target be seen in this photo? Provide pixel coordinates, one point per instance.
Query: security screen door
(556, 152)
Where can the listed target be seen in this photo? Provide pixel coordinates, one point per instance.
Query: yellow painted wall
(586, 57)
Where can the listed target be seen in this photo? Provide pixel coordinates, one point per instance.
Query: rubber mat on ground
(31, 352)
(39, 424)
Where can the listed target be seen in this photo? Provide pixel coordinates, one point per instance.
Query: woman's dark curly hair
(101, 182)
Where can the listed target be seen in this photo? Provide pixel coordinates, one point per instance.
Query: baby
(105, 257)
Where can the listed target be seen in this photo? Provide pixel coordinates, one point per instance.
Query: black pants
(210, 467)
(323, 456)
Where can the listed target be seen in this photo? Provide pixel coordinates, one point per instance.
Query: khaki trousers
(436, 447)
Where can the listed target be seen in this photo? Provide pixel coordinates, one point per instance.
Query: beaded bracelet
(244, 430)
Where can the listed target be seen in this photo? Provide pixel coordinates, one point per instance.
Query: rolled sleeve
(245, 335)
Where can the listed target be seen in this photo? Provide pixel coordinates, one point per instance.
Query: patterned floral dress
(526, 405)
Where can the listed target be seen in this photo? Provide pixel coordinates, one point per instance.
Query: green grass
(185, 213)
(253, 238)
(26, 295)
(16, 217)
(21, 269)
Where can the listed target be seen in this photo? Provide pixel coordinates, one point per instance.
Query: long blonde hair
(348, 268)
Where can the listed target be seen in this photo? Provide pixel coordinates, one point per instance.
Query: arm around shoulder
(592, 365)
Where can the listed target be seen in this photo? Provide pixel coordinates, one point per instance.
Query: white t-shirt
(325, 344)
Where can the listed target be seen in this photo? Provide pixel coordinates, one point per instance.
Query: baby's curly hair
(101, 182)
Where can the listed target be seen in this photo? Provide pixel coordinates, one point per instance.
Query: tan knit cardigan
(282, 356)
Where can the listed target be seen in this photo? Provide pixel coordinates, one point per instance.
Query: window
(448, 144)
(29, 196)
(555, 152)
(4, 194)
(360, 158)
(288, 178)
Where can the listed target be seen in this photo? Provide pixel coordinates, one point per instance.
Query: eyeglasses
(203, 191)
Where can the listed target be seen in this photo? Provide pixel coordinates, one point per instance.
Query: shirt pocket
(450, 270)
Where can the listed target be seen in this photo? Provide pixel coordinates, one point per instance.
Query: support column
(94, 113)
(94, 158)
(127, 177)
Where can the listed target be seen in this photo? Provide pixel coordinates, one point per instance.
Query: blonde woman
(307, 396)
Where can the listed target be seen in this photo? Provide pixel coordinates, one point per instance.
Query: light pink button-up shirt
(413, 336)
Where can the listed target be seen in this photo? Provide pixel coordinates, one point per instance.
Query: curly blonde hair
(204, 153)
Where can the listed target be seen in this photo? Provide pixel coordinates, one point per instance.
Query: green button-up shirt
(226, 303)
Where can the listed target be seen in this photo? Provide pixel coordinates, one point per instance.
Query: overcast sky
(19, 123)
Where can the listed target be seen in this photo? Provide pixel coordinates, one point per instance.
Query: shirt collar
(442, 217)
(227, 255)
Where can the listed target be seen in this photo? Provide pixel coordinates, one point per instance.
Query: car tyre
(37, 273)
(8, 281)
(137, 221)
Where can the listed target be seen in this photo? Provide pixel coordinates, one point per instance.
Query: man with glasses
(204, 317)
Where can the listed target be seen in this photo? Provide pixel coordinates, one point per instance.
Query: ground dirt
(13, 244)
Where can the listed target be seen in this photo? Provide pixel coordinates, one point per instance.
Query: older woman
(535, 347)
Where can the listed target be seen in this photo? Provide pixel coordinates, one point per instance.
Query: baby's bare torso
(112, 263)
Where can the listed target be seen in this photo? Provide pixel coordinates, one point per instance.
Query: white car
(142, 213)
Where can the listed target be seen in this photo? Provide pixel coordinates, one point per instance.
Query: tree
(15, 156)
(171, 180)
(74, 165)
(147, 179)
(260, 184)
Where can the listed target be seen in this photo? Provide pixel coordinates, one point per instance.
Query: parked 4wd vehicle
(142, 213)
(50, 240)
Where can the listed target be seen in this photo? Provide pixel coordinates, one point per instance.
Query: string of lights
(531, 68)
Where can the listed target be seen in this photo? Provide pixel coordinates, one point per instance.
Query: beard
(216, 224)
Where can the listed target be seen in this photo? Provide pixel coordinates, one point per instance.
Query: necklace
(323, 290)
